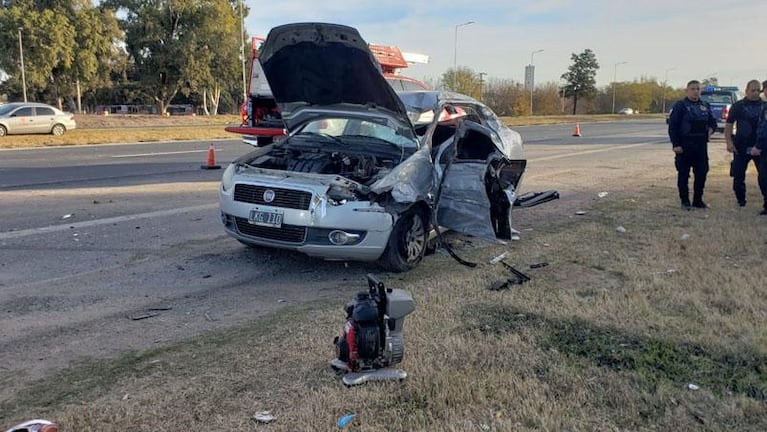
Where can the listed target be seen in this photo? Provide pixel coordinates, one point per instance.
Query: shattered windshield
(349, 129)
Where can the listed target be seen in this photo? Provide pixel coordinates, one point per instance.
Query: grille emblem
(268, 195)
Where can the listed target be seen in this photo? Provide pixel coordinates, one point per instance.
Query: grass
(93, 129)
(608, 336)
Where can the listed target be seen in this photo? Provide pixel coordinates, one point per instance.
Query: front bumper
(307, 222)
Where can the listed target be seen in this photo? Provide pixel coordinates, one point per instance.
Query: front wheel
(407, 243)
(58, 130)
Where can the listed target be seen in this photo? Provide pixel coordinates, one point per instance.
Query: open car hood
(314, 67)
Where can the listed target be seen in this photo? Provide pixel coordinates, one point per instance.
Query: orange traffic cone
(211, 162)
(577, 131)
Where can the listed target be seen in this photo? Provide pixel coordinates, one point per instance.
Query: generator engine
(371, 340)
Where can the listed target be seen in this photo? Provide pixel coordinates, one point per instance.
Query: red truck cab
(261, 122)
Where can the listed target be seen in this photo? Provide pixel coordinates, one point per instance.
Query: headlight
(227, 180)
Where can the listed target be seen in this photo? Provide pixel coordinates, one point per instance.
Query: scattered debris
(263, 417)
(96, 202)
(692, 386)
(538, 265)
(160, 308)
(515, 237)
(141, 316)
(180, 267)
(684, 237)
(67, 216)
(518, 279)
(127, 395)
(498, 259)
(343, 421)
(620, 229)
(602, 194)
(580, 213)
(281, 301)
(207, 276)
(546, 245)
(36, 425)
(207, 317)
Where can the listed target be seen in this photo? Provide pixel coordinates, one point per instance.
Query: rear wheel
(407, 243)
(58, 130)
(3, 131)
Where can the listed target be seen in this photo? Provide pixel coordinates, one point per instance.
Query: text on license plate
(265, 218)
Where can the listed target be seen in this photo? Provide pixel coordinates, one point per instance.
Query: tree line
(154, 52)
(139, 52)
(576, 93)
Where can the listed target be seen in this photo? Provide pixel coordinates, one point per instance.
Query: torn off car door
(477, 185)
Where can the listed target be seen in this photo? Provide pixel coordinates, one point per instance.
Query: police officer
(759, 147)
(690, 125)
(744, 117)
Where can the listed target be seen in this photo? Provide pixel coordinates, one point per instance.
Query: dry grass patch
(606, 337)
(92, 129)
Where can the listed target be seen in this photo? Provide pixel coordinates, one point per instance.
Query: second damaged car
(365, 174)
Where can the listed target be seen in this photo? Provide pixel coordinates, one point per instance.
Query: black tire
(407, 243)
(58, 130)
(3, 131)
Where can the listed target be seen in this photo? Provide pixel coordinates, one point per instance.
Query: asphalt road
(115, 247)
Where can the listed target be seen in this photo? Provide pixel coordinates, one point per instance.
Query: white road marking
(159, 153)
(578, 153)
(65, 227)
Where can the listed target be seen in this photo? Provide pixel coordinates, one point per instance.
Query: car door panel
(470, 168)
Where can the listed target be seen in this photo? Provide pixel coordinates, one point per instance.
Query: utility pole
(242, 53)
(481, 85)
(21, 57)
(615, 77)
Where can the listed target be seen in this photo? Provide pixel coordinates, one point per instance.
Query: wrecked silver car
(366, 174)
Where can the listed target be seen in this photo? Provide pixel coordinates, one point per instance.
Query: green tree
(462, 80)
(65, 42)
(181, 45)
(580, 76)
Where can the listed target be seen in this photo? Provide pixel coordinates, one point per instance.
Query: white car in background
(34, 118)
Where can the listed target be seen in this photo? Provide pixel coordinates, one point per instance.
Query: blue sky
(683, 39)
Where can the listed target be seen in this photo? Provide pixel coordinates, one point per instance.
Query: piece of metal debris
(580, 213)
(538, 265)
(692, 386)
(684, 237)
(160, 308)
(620, 229)
(141, 316)
(602, 194)
(498, 259)
(263, 417)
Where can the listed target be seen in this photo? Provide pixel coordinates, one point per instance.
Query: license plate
(265, 218)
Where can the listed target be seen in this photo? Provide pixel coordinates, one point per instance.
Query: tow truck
(261, 121)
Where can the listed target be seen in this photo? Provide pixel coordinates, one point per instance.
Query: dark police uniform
(688, 128)
(745, 115)
(761, 144)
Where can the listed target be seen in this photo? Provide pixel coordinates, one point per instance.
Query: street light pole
(532, 77)
(615, 77)
(23, 76)
(455, 42)
(665, 79)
